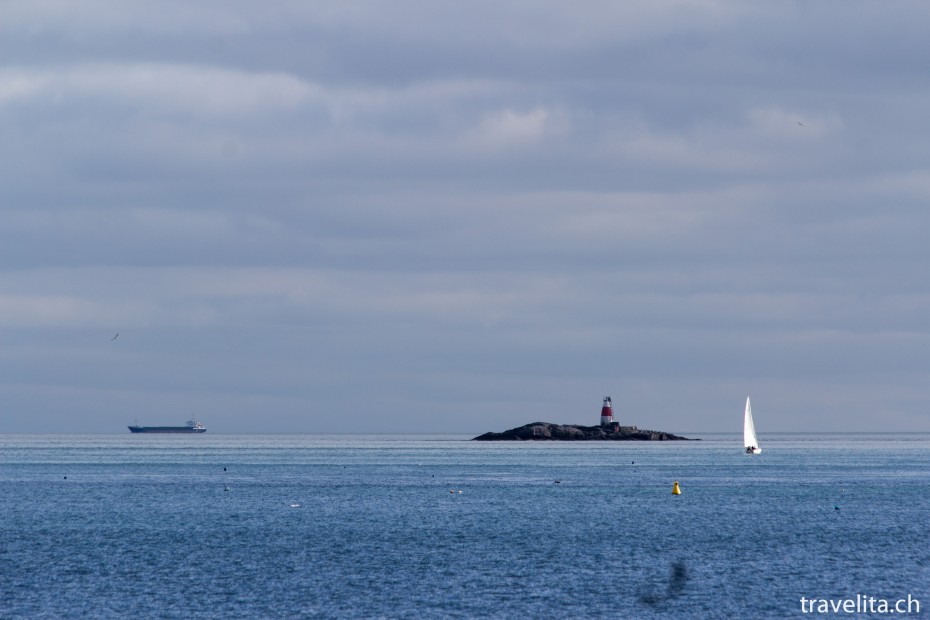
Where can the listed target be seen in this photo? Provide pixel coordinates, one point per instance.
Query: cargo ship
(192, 426)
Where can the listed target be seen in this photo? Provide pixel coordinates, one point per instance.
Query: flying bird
(115, 336)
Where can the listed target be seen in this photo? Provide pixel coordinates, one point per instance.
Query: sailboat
(749, 432)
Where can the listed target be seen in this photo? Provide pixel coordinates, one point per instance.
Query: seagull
(800, 123)
(115, 336)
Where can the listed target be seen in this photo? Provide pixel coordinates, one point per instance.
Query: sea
(437, 526)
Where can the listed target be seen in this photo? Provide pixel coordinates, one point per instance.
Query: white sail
(749, 432)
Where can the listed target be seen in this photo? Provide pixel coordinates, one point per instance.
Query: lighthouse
(607, 412)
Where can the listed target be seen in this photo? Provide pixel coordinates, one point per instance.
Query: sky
(435, 217)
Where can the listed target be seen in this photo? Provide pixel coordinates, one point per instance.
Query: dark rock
(546, 431)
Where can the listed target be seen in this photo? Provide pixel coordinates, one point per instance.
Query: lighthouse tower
(607, 412)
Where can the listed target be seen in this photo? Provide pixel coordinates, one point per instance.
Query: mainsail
(749, 431)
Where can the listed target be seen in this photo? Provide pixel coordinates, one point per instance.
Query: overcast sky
(463, 217)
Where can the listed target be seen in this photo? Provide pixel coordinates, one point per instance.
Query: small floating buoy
(675, 489)
(66, 477)
(224, 469)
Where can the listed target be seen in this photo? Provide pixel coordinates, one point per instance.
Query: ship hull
(166, 429)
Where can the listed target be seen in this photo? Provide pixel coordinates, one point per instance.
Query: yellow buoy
(675, 489)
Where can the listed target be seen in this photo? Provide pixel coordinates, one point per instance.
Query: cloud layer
(422, 217)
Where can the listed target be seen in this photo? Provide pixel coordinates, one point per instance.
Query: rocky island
(570, 432)
(607, 431)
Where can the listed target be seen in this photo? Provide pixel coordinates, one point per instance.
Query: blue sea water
(311, 526)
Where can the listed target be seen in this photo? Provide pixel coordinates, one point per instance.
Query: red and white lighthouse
(607, 412)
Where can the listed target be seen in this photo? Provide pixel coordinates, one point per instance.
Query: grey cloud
(490, 208)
